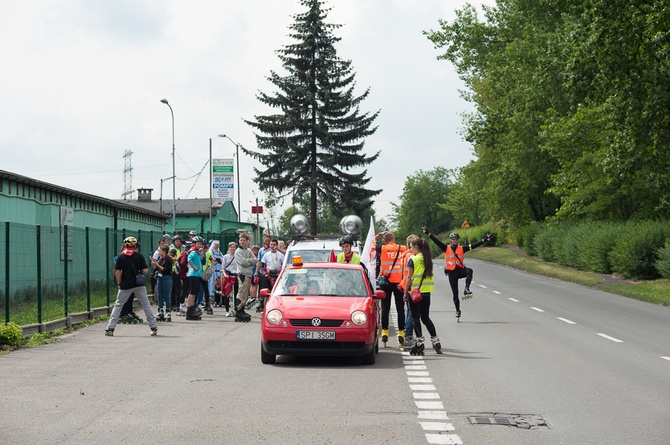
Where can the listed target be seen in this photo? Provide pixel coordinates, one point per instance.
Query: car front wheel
(267, 358)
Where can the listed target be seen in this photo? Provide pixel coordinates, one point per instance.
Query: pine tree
(317, 135)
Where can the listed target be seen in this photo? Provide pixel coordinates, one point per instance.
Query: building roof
(184, 207)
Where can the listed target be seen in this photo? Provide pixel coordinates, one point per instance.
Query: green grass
(656, 291)
(53, 308)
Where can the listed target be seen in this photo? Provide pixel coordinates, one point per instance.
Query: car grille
(308, 322)
(333, 345)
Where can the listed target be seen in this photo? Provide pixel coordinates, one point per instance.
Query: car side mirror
(265, 293)
(380, 294)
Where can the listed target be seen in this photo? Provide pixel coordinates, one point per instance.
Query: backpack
(182, 264)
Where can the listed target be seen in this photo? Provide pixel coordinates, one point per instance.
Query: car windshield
(324, 281)
(311, 256)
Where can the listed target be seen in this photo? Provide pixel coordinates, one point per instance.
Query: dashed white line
(441, 439)
(482, 286)
(536, 309)
(496, 292)
(566, 320)
(437, 426)
(616, 340)
(433, 415)
(422, 387)
(513, 299)
(665, 358)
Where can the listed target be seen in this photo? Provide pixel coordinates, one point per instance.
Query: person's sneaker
(109, 332)
(229, 314)
(154, 332)
(458, 314)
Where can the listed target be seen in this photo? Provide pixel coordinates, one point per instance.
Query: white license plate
(315, 335)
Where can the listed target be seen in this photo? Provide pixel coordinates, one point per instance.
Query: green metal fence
(50, 273)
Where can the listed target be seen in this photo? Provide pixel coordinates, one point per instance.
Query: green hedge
(632, 249)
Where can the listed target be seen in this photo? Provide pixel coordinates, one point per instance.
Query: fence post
(7, 271)
(107, 258)
(39, 273)
(88, 272)
(65, 296)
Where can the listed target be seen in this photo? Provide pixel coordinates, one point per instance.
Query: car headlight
(274, 316)
(359, 318)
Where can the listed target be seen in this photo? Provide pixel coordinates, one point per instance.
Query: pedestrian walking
(454, 264)
(130, 270)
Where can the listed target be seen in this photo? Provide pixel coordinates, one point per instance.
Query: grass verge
(656, 291)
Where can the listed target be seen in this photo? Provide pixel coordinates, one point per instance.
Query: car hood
(315, 306)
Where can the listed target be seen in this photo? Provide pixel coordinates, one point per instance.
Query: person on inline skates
(455, 267)
(420, 270)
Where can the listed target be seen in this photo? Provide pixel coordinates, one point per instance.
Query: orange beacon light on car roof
(297, 261)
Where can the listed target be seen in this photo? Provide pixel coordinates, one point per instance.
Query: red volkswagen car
(321, 309)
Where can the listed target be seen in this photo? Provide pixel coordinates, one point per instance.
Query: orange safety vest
(387, 258)
(405, 271)
(451, 259)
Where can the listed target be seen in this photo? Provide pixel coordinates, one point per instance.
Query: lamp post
(237, 155)
(174, 175)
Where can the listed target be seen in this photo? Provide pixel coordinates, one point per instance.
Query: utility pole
(127, 176)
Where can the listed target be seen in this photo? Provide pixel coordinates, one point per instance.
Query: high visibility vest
(405, 270)
(355, 259)
(427, 283)
(387, 258)
(451, 260)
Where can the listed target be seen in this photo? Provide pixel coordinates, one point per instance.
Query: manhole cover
(492, 420)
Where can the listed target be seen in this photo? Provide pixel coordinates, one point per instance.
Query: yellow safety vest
(428, 284)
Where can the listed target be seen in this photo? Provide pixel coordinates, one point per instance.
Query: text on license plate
(315, 335)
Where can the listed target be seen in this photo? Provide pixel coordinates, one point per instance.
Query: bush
(663, 263)
(635, 253)
(525, 237)
(10, 334)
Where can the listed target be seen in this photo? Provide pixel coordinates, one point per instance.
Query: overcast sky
(81, 83)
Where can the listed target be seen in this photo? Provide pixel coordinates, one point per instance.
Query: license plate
(315, 335)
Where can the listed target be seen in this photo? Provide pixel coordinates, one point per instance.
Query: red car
(321, 309)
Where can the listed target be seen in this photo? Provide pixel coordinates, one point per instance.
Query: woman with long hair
(420, 273)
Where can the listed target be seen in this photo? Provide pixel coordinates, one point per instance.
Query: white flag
(369, 255)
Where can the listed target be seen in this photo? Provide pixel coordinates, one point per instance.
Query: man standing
(271, 266)
(245, 260)
(261, 277)
(347, 255)
(390, 275)
(455, 268)
(129, 265)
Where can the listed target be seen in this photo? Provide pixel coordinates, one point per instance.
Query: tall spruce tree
(315, 139)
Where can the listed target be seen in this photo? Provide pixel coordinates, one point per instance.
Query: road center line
(536, 309)
(566, 320)
(616, 340)
(513, 299)
(665, 358)
(496, 292)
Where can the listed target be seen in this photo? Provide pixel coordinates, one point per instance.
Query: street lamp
(174, 175)
(237, 151)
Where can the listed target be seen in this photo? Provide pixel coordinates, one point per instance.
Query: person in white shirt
(271, 266)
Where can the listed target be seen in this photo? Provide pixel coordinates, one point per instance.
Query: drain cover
(492, 420)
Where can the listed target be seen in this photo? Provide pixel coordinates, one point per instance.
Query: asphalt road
(570, 365)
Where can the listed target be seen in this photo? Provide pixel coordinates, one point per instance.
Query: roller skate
(109, 332)
(182, 310)
(209, 310)
(160, 316)
(250, 303)
(168, 317)
(127, 319)
(385, 336)
(418, 347)
(408, 343)
(467, 294)
(242, 316)
(458, 316)
(193, 313)
(436, 344)
(260, 308)
(136, 317)
(401, 338)
(154, 332)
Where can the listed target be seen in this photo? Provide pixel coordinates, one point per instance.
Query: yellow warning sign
(465, 224)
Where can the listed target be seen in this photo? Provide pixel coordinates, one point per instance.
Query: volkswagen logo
(316, 321)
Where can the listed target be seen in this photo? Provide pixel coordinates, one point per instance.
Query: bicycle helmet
(347, 239)
(454, 235)
(130, 241)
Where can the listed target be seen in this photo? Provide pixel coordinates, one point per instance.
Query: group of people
(190, 275)
(406, 274)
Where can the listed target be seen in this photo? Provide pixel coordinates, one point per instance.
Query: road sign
(256, 209)
(465, 224)
(223, 179)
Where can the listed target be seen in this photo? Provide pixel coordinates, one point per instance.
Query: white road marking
(536, 309)
(422, 387)
(415, 367)
(610, 338)
(433, 415)
(417, 373)
(429, 405)
(419, 379)
(442, 439)
(665, 358)
(513, 299)
(426, 395)
(496, 292)
(566, 320)
(482, 286)
(437, 426)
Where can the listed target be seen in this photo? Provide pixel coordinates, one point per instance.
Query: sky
(81, 83)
